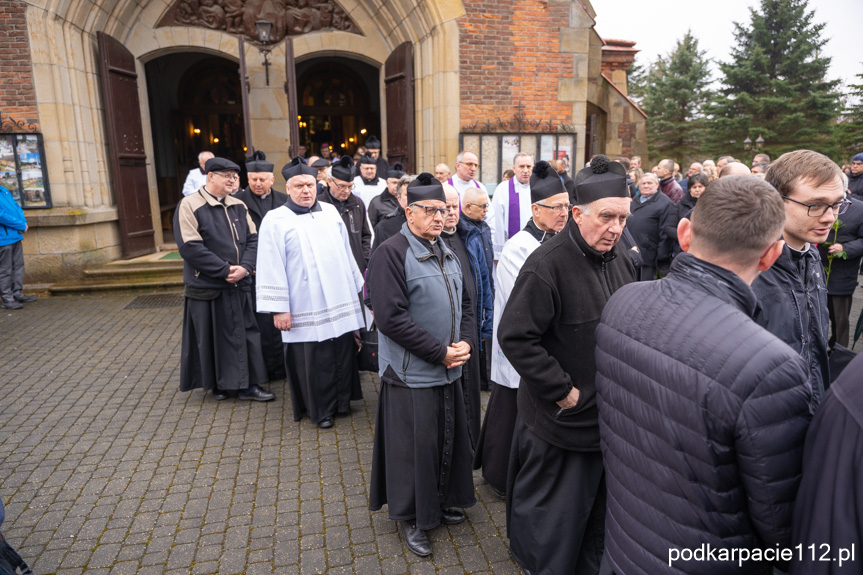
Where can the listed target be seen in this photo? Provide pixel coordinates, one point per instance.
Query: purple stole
(514, 210)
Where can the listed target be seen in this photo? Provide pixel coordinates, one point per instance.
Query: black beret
(601, 179)
(373, 143)
(367, 159)
(321, 163)
(220, 165)
(544, 182)
(257, 162)
(395, 171)
(343, 169)
(298, 167)
(425, 187)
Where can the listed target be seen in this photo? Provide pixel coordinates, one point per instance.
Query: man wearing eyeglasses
(218, 241)
(792, 293)
(339, 193)
(855, 178)
(421, 465)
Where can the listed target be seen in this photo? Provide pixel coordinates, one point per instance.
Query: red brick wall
(509, 53)
(17, 95)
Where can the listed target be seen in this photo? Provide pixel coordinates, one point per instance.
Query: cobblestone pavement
(105, 467)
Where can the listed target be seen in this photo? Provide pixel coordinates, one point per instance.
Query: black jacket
(381, 206)
(258, 207)
(211, 237)
(546, 332)
(353, 212)
(389, 226)
(844, 276)
(648, 225)
(793, 307)
(683, 209)
(485, 236)
(855, 184)
(702, 418)
(829, 507)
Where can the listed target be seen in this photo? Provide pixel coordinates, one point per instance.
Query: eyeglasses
(818, 210)
(480, 206)
(229, 176)
(556, 209)
(470, 164)
(342, 187)
(430, 211)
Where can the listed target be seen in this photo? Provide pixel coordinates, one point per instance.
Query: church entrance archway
(339, 103)
(195, 105)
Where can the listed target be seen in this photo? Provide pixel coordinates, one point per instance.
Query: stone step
(89, 286)
(133, 271)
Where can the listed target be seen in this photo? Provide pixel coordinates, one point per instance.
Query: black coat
(683, 209)
(793, 307)
(353, 212)
(389, 226)
(829, 506)
(381, 206)
(648, 225)
(485, 236)
(702, 419)
(546, 332)
(844, 272)
(258, 208)
(855, 184)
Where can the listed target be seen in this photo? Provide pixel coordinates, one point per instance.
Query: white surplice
(305, 266)
(367, 192)
(513, 256)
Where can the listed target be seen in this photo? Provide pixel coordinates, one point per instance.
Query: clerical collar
(463, 182)
(220, 200)
(520, 185)
(452, 233)
(300, 210)
(537, 233)
(373, 182)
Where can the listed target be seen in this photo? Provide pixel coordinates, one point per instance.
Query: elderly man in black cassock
(556, 486)
(421, 465)
(218, 242)
(260, 197)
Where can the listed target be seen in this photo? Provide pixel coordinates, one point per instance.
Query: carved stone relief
(289, 17)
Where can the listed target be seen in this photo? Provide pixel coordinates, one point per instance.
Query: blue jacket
(421, 307)
(472, 238)
(12, 220)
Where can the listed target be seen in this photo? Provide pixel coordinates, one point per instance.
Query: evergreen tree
(775, 85)
(849, 128)
(635, 80)
(675, 92)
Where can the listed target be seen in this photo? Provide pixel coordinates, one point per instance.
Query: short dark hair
(801, 165)
(699, 177)
(623, 161)
(761, 158)
(738, 216)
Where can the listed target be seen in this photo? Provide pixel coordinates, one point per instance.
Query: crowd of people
(656, 347)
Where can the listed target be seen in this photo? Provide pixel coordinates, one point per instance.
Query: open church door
(126, 147)
(399, 82)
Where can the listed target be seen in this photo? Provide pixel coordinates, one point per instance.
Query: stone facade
(469, 60)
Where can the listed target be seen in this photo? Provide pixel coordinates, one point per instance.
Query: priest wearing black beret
(547, 334)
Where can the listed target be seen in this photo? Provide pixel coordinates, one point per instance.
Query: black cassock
(221, 342)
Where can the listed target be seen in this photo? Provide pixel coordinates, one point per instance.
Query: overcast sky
(657, 25)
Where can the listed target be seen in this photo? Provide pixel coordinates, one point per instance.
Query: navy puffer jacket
(702, 417)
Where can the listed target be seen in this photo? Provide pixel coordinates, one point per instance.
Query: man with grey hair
(442, 172)
(510, 204)
(667, 183)
(546, 333)
(702, 427)
(197, 177)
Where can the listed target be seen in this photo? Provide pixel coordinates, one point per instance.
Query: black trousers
(839, 307)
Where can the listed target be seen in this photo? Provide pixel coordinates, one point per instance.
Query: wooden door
(126, 147)
(399, 82)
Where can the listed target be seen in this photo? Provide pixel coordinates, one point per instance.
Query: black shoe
(21, 298)
(326, 423)
(452, 516)
(219, 394)
(416, 539)
(498, 493)
(255, 393)
(11, 304)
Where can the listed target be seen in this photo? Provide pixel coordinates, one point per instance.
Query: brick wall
(509, 52)
(17, 95)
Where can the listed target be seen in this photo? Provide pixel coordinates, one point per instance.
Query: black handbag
(367, 356)
(11, 562)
